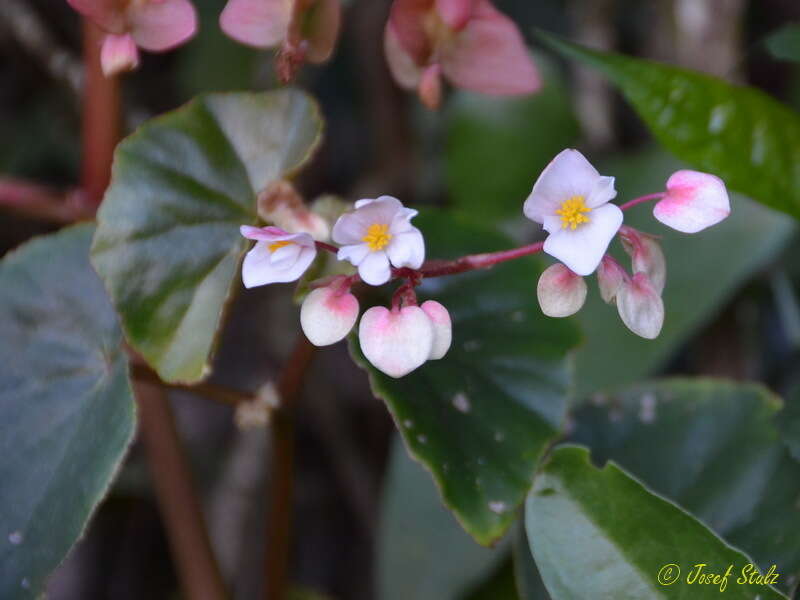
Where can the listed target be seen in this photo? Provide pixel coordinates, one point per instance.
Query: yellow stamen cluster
(572, 212)
(377, 237)
(278, 245)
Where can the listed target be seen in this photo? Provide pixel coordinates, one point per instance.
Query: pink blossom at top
(154, 25)
(468, 42)
(304, 30)
(693, 201)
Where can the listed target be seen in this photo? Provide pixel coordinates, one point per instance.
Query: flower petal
(430, 86)
(396, 342)
(610, 276)
(257, 23)
(489, 55)
(455, 13)
(602, 192)
(118, 54)
(375, 269)
(561, 292)
(352, 226)
(407, 249)
(693, 201)
(355, 253)
(327, 315)
(442, 328)
(322, 29)
(160, 26)
(640, 307)
(109, 15)
(646, 256)
(401, 64)
(582, 249)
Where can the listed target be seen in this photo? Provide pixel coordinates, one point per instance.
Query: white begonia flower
(377, 235)
(570, 199)
(561, 292)
(277, 257)
(328, 314)
(693, 201)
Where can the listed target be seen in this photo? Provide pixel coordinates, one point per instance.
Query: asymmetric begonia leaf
(167, 244)
(711, 446)
(599, 533)
(66, 407)
(480, 418)
(738, 133)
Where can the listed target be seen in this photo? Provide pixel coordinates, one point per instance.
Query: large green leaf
(703, 271)
(66, 409)
(711, 446)
(168, 244)
(738, 133)
(599, 533)
(480, 418)
(529, 581)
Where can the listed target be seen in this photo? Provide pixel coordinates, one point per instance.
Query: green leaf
(480, 418)
(738, 133)
(529, 580)
(66, 408)
(599, 533)
(789, 422)
(416, 531)
(784, 44)
(732, 251)
(496, 146)
(711, 446)
(167, 243)
(500, 586)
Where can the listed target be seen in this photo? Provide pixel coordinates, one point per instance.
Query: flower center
(278, 245)
(377, 237)
(572, 212)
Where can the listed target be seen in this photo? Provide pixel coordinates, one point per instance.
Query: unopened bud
(118, 54)
(610, 276)
(640, 307)
(396, 341)
(281, 204)
(693, 201)
(561, 292)
(646, 256)
(442, 328)
(430, 87)
(328, 314)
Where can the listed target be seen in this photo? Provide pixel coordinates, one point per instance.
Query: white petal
(646, 256)
(349, 229)
(375, 269)
(561, 292)
(407, 249)
(640, 307)
(582, 249)
(396, 342)
(442, 328)
(568, 174)
(693, 202)
(352, 226)
(355, 253)
(327, 316)
(285, 256)
(610, 276)
(258, 269)
(602, 192)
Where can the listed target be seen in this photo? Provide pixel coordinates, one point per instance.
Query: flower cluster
(571, 201)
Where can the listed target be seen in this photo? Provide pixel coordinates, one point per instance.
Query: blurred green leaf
(500, 586)
(167, 243)
(416, 531)
(529, 580)
(738, 133)
(599, 533)
(66, 406)
(703, 271)
(711, 446)
(784, 44)
(497, 146)
(480, 418)
(789, 422)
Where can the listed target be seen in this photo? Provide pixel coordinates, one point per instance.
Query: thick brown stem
(281, 475)
(101, 118)
(180, 509)
(142, 372)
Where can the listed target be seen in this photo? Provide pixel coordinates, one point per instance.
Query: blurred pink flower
(468, 42)
(304, 30)
(153, 25)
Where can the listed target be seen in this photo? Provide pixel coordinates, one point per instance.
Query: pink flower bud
(118, 54)
(646, 256)
(693, 201)
(430, 87)
(561, 292)
(640, 307)
(610, 276)
(328, 314)
(442, 328)
(280, 204)
(398, 341)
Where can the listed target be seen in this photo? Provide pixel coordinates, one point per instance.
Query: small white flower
(693, 201)
(377, 235)
(277, 257)
(570, 199)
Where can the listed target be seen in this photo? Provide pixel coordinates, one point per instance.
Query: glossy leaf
(737, 133)
(167, 243)
(480, 418)
(732, 251)
(784, 43)
(599, 533)
(66, 408)
(711, 446)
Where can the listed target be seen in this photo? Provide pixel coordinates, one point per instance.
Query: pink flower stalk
(468, 42)
(153, 25)
(304, 30)
(693, 202)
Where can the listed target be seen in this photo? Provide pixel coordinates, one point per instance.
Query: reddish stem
(327, 247)
(642, 199)
(472, 262)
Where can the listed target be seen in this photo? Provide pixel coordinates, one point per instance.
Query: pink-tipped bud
(693, 201)
(118, 54)
(561, 292)
(454, 13)
(640, 307)
(281, 204)
(328, 314)
(610, 276)
(398, 341)
(646, 256)
(430, 87)
(442, 328)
